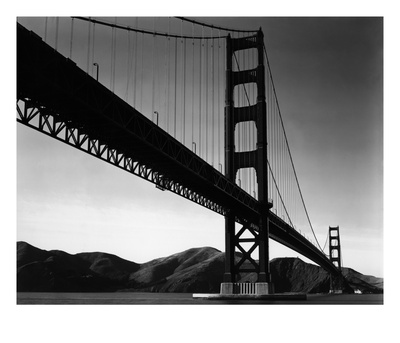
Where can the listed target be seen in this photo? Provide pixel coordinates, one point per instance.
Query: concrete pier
(245, 288)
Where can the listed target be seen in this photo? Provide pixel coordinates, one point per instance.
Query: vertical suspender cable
(270, 150)
(93, 46)
(276, 155)
(71, 38)
(159, 55)
(252, 137)
(141, 75)
(275, 140)
(183, 45)
(206, 91)
(277, 159)
(240, 103)
(112, 48)
(293, 198)
(247, 127)
(45, 29)
(272, 145)
(250, 125)
(281, 174)
(235, 104)
(287, 177)
(275, 149)
(236, 100)
(114, 55)
(184, 91)
(222, 95)
(247, 64)
(165, 83)
(131, 70)
(135, 74)
(56, 44)
(200, 77)
(175, 82)
(268, 133)
(168, 73)
(255, 57)
(270, 141)
(88, 47)
(153, 71)
(128, 65)
(212, 97)
(219, 100)
(279, 164)
(192, 84)
(282, 170)
(244, 124)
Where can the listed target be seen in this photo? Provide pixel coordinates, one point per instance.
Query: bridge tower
(335, 258)
(257, 159)
(334, 247)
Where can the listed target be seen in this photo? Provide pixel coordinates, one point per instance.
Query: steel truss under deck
(40, 119)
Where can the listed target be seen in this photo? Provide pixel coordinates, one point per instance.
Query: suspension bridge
(188, 106)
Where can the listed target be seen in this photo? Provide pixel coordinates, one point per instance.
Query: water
(128, 298)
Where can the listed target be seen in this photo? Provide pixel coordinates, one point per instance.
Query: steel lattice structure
(40, 119)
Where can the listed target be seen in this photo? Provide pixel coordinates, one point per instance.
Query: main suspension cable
(279, 193)
(326, 241)
(213, 26)
(287, 145)
(164, 34)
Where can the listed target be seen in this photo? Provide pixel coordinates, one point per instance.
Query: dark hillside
(293, 275)
(196, 270)
(363, 283)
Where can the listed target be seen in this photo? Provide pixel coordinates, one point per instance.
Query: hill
(197, 270)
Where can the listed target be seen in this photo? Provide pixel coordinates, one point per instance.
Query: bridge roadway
(76, 109)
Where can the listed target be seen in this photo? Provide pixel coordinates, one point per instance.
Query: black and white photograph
(209, 163)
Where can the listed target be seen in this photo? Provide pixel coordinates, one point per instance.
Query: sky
(328, 73)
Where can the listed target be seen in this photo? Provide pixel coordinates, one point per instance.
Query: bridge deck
(57, 87)
(54, 83)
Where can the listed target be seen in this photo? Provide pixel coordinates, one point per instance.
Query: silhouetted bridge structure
(59, 99)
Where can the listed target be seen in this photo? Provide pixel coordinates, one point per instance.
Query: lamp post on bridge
(97, 70)
(156, 113)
